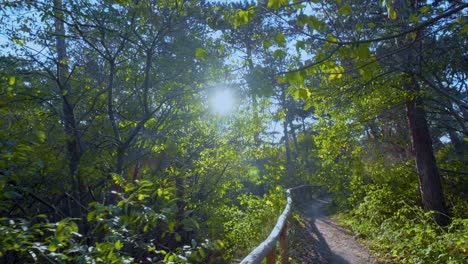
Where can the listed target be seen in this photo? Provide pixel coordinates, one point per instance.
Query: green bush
(404, 233)
(243, 225)
(141, 226)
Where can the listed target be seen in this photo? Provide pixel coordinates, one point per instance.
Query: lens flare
(222, 102)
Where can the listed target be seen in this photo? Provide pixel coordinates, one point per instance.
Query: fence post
(284, 245)
(267, 249)
(271, 256)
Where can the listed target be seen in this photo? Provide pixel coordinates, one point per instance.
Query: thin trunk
(110, 104)
(73, 143)
(146, 84)
(294, 136)
(429, 179)
(180, 190)
(111, 113)
(286, 135)
(288, 150)
(253, 95)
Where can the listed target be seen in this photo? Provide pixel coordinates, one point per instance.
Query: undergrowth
(401, 232)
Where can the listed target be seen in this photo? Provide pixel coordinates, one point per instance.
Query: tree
(353, 54)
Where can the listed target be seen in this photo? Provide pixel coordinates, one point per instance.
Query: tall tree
(346, 42)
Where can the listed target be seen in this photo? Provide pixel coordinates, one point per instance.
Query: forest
(167, 131)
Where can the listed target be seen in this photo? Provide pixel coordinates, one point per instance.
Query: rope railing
(267, 249)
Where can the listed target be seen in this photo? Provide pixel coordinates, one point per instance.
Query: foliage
(109, 152)
(404, 233)
(239, 222)
(140, 227)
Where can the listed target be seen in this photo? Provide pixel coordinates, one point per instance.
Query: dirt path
(318, 239)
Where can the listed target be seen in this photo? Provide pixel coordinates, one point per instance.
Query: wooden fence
(267, 249)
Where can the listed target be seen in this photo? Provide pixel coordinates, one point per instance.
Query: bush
(405, 233)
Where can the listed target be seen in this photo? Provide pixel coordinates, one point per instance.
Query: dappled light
(221, 131)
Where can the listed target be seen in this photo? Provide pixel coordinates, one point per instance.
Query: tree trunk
(73, 143)
(430, 185)
(293, 134)
(429, 179)
(253, 94)
(287, 145)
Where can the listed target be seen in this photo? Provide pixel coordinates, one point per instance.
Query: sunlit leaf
(118, 245)
(12, 80)
(142, 196)
(345, 10)
(301, 93)
(276, 4)
(201, 54)
(392, 14)
(332, 38)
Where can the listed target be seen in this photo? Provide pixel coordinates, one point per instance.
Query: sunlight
(222, 102)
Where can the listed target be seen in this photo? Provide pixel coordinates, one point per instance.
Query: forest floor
(316, 238)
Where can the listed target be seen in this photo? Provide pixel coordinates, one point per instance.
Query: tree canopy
(112, 149)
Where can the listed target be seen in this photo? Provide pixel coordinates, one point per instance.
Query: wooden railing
(267, 249)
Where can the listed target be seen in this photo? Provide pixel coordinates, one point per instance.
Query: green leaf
(266, 44)
(363, 51)
(345, 10)
(52, 247)
(280, 39)
(202, 253)
(412, 36)
(118, 245)
(295, 78)
(41, 135)
(18, 41)
(171, 226)
(279, 53)
(413, 18)
(276, 4)
(12, 80)
(358, 27)
(464, 29)
(201, 54)
(178, 237)
(300, 45)
(221, 49)
(315, 23)
(336, 73)
(91, 216)
(123, 2)
(301, 93)
(392, 14)
(242, 17)
(142, 196)
(460, 20)
(425, 9)
(332, 38)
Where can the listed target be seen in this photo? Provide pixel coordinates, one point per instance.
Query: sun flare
(222, 102)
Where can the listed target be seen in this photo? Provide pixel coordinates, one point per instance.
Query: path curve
(329, 243)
